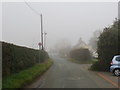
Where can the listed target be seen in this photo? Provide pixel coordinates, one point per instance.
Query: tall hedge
(108, 44)
(16, 58)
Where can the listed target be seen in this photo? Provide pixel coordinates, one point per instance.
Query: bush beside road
(108, 46)
(81, 55)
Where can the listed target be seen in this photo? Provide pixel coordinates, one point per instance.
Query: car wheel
(117, 72)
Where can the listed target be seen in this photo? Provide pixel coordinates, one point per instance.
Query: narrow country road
(65, 74)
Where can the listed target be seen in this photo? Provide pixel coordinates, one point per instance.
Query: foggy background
(67, 21)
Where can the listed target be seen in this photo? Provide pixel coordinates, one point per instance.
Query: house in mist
(82, 44)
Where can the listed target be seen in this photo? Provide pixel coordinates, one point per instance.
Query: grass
(82, 62)
(18, 80)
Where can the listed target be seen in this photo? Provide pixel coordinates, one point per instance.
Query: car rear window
(117, 58)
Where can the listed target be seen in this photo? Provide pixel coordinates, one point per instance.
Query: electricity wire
(32, 8)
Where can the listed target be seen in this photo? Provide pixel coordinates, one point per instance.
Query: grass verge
(82, 62)
(17, 80)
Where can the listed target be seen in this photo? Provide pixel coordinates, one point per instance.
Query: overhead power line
(40, 14)
(32, 8)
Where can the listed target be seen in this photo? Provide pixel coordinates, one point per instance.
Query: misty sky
(62, 21)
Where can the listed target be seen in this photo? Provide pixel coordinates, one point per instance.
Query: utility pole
(45, 34)
(41, 31)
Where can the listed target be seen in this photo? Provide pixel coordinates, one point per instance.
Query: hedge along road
(65, 74)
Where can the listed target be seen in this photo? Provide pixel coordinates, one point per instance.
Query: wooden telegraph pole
(41, 31)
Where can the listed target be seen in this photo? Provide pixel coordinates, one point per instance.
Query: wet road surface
(66, 74)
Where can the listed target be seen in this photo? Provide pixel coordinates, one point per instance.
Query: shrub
(81, 54)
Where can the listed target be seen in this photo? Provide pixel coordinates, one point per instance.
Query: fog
(61, 21)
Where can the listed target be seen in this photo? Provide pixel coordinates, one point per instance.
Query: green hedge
(17, 58)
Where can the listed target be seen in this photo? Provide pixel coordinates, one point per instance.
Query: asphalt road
(66, 74)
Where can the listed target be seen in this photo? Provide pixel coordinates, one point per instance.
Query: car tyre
(117, 72)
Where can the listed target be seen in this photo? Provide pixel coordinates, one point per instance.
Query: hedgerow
(16, 58)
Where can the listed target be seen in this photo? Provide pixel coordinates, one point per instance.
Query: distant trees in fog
(93, 40)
